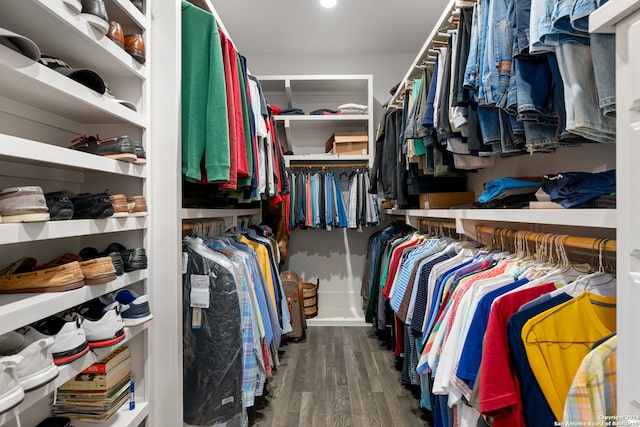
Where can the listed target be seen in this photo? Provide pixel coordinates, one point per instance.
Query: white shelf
(605, 18)
(40, 154)
(40, 87)
(17, 310)
(361, 158)
(122, 418)
(74, 41)
(598, 218)
(34, 231)
(124, 11)
(193, 213)
(329, 118)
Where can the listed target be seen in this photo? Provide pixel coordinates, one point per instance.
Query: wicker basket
(310, 294)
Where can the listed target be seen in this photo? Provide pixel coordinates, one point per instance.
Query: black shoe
(92, 206)
(138, 4)
(55, 422)
(60, 205)
(96, 14)
(91, 253)
(133, 259)
(138, 149)
(118, 148)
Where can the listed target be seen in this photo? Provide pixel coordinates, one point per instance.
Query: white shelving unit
(41, 112)
(305, 135)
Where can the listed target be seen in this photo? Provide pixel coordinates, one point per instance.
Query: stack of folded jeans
(577, 189)
(502, 188)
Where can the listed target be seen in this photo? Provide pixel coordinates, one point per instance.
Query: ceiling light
(328, 3)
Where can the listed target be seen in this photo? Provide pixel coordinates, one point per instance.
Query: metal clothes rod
(325, 166)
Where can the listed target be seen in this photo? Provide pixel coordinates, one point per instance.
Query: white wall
(387, 69)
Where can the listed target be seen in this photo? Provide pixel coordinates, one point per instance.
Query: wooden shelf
(335, 159)
(193, 213)
(38, 86)
(24, 151)
(18, 310)
(330, 118)
(35, 231)
(597, 218)
(75, 41)
(122, 418)
(605, 18)
(123, 11)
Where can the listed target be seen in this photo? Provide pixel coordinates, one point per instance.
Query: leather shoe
(95, 13)
(134, 45)
(116, 33)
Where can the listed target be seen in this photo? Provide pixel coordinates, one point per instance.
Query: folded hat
(84, 76)
(19, 43)
(108, 94)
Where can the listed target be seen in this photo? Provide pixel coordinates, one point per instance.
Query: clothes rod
(325, 166)
(588, 243)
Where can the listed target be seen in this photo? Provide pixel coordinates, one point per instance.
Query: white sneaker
(135, 309)
(37, 367)
(70, 341)
(103, 328)
(11, 394)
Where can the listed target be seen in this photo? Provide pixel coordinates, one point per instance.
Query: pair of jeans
(540, 26)
(603, 51)
(573, 189)
(581, 100)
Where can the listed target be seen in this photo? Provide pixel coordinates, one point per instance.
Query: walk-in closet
(319, 213)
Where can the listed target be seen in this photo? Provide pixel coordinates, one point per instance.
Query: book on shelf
(92, 405)
(85, 381)
(109, 362)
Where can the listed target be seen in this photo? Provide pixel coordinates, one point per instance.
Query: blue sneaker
(134, 309)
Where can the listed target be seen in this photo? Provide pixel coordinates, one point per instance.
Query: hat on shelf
(20, 44)
(84, 76)
(109, 95)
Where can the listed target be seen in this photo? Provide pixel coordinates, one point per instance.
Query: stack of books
(98, 391)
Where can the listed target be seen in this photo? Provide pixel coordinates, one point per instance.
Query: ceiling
(352, 27)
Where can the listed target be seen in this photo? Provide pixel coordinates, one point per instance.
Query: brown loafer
(95, 271)
(116, 33)
(138, 206)
(120, 205)
(134, 45)
(24, 276)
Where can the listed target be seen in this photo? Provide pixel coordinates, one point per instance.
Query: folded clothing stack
(581, 189)
(508, 192)
(352, 108)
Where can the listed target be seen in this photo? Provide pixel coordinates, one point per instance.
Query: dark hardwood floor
(337, 376)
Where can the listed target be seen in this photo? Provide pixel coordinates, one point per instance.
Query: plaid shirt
(593, 392)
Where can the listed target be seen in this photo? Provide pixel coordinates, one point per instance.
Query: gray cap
(19, 43)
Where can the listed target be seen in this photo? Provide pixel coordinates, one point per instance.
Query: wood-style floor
(338, 376)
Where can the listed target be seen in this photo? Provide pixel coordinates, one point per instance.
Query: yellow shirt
(558, 339)
(265, 266)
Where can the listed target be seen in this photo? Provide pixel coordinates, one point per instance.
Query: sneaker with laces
(103, 328)
(11, 394)
(118, 148)
(37, 367)
(134, 309)
(23, 204)
(70, 341)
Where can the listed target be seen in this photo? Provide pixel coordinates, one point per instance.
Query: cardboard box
(446, 200)
(348, 142)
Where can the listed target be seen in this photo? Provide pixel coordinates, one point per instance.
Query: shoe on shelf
(95, 13)
(140, 153)
(137, 206)
(92, 206)
(103, 328)
(96, 271)
(23, 204)
(89, 253)
(138, 4)
(37, 367)
(134, 45)
(134, 259)
(11, 394)
(70, 341)
(116, 34)
(134, 309)
(118, 148)
(60, 205)
(24, 276)
(120, 205)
